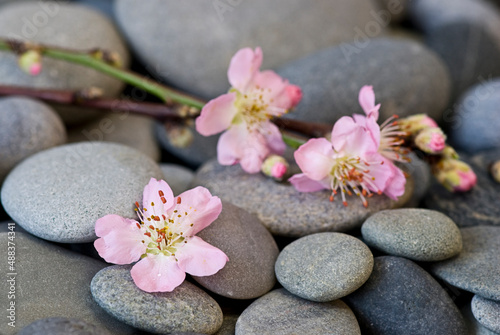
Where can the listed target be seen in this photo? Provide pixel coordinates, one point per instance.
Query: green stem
(291, 141)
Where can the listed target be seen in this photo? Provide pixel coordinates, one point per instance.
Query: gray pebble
(421, 175)
(62, 326)
(487, 312)
(281, 313)
(27, 126)
(475, 328)
(178, 177)
(414, 233)
(228, 325)
(251, 250)
(477, 268)
(58, 194)
(186, 309)
(324, 267)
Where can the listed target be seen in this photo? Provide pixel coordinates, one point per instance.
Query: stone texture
(487, 312)
(282, 209)
(324, 267)
(178, 177)
(252, 253)
(401, 298)
(58, 194)
(477, 268)
(475, 328)
(228, 325)
(478, 206)
(414, 233)
(27, 126)
(396, 10)
(217, 29)
(475, 124)
(421, 176)
(185, 309)
(51, 281)
(280, 312)
(118, 128)
(64, 25)
(62, 326)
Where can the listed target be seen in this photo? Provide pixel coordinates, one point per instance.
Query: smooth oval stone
(401, 298)
(219, 28)
(228, 325)
(324, 267)
(50, 281)
(282, 209)
(475, 328)
(251, 250)
(27, 126)
(178, 177)
(58, 194)
(487, 312)
(417, 234)
(279, 313)
(477, 268)
(479, 206)
(62, 326)
(420, 172)
(186, 309)
(63, 25)
(475, 121)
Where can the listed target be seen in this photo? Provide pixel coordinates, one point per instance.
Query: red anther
(345, 203)
(160, 192)
(370, 195)
(365, 203)
(158, 247)
(331, 198)
(379, 192)
(163, 200)
(138, 225)
(137, 204)
(395, 123)
(157, 218)
(406, 174)
(349, 192)
(163, 216)
(334, 192)
(395, 116)
(178, 200)
(147, 234)
(367, 164)
(151, 227)
(158, 239)
(363, 192)
(382, 163)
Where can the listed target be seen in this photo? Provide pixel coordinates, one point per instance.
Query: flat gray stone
(478, 206)
(251, 250)
(324, 267)
(475, 123)
(401, 298)
(282, 209)
(415, 233)
(64, 25)
(475, 328)
(50, 281)
(178, 177)
(27, 126)
(62, 326)
(477, 268)
(280, 313)
(58, 194)
(487, 312)
(219, 28)
(186, 309)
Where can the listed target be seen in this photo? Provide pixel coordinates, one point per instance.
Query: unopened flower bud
(415, 123)
(31, 62)
(179, 136)
(449, 152)
(455, 175)
(495, 171)
(275, 166)
(431, 140)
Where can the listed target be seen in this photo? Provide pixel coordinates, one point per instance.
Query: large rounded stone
(64, 25)
(324, 267)
(477, 268)
(418, 234)
(58, 194)
(62, 326)
(178, 177)
(185, 309)
(401, 298)
(284, 210)
(487, 312)
(26, 127)
(251, 250)
(280, 313)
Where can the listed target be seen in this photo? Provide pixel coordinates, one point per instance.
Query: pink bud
(455, 175)
(35, 69)
(278, 170)
(31, 62)
(415, 123)
(294, 93)
(431, 140)
(275, 166)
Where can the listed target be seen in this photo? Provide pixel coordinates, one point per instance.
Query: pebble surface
(487, 312)
(62, 326)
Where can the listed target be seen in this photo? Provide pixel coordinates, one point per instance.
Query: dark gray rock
(50, 281)
(395, 10)
(474, 126)
(421, 175)
(62, 326)
(64, 25)
(27, 126)
(487, 312)
(58, 194)
(280, 312)
(465, 33)
(228, 325)
(251, 250)
(401, 298)
(477, 268)
(186, 309)
(414, 233)
(324, 267)
(219, 28)
(478, 206)
(282, 209)
(178, 177)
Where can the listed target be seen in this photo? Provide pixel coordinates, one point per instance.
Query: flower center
(254, 107)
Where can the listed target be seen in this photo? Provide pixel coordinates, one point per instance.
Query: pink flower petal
(274, 90)
(157, 273)
(120, 240)
(199, 258)
(395, 186)
(217, 115)
(244, 65)
(152, 195)
(294, 94)
(273, 138)
(315, 158)
(350, 137)
(367, 101)
(379, 172)
(343, 128)
(302, 183)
